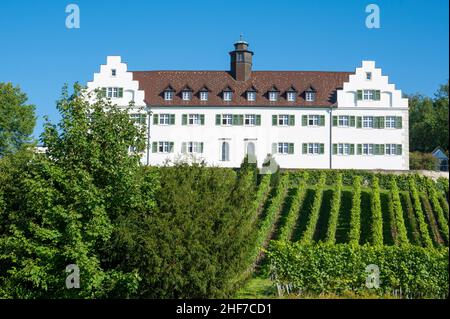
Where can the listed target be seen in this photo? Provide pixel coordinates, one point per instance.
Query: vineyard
(317, 231)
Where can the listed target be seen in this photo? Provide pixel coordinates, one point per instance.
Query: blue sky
(40, 54)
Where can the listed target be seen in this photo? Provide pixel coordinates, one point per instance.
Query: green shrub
(426, 161)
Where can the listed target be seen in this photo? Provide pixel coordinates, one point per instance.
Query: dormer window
(203, 95)
(227, 94)
(273, 96)
(168, 95)
(186, 95)
(291, 96)
(368, 76)
(310, 96)
(251, 96)
(113, 72)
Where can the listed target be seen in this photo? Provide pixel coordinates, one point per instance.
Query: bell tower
(241, 61)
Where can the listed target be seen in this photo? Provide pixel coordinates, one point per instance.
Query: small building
(442, 158)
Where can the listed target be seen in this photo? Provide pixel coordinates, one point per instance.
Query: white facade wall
(238, 137)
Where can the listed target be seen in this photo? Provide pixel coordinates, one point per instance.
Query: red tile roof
(325, 83)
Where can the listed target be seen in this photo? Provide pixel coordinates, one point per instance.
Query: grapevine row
(425, 235)
(315, 211)
(377, 216)
(355, 213)
(402, 235)
(437, 208)
(334, 211)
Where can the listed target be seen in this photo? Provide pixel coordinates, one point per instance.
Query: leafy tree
(62, 207)
(17, 119)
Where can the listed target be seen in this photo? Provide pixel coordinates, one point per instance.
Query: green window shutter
(352, 121)
(399, 149)
(274, 120)
(218, 119)
(376, 149)
(358, 122)
(381, 122)
(241, 119)
(172, 119)
(359, 95)
(376, 122)
(258, 119)
(291, 148)
(183, 147)
(352, 149)
(359, 149)
(322, 120)
(184, 119)
(120, 92)
(201, 147)
(321, 148)
(155, 119)
(381, 149)
(235, 119)
(103, 92)
(171, 147)
(154, 147)
(274, 148)
(335, 120)
(304, 120)
(334, 149)
(376, 95)
(398, 122)
(291, 120)
(202, 119)
(305, 148)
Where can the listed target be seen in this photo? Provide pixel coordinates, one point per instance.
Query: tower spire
(241, 60)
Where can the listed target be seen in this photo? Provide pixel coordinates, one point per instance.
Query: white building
(305, 119)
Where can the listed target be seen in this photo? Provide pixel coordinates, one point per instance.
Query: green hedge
(377, 215)
(334, 212)
(424, 234)
(402, 234)
(314, 212)
(439, 212)
(323, 268)
(355, 212)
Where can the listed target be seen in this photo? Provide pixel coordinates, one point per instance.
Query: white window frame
(193, 147)
(313, 148)
(203, 95)
(168, 95)
(390, 149)
(343, 149)
(368, 95)
(283, 148)
(291, 96)
(225, 151)
(367, 149)
(164, 119)
(273, 96)
(283, 120)
(367, 122)
(186, 95)
(314, 119)
(227, 119)
(250, 119)
(240, 57)
(227, 96)
(343, 121)
(163, 147)
(389, 122)
(251, 96)
(310, 96)
(194, 119)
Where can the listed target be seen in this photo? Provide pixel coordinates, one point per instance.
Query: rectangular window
(368, 95)
(227, 95)
(187, 95)
(240, 57)
(283, 148)
(250, 119)
(138, 118)
(367, 149)
(391, 149)
(194, 119)
(283, 119)
(113, 72)
(163, 147)
(310, 96)
(367, 121)
(227, 119)
(204, 96)
(194, 147)
(368, 76)
(390, 122)
(313, 120)
(251, 96)
(343, 149)
(273, 96)
(168, 95)
(164, 119)
(291, 96)
(344, 120)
